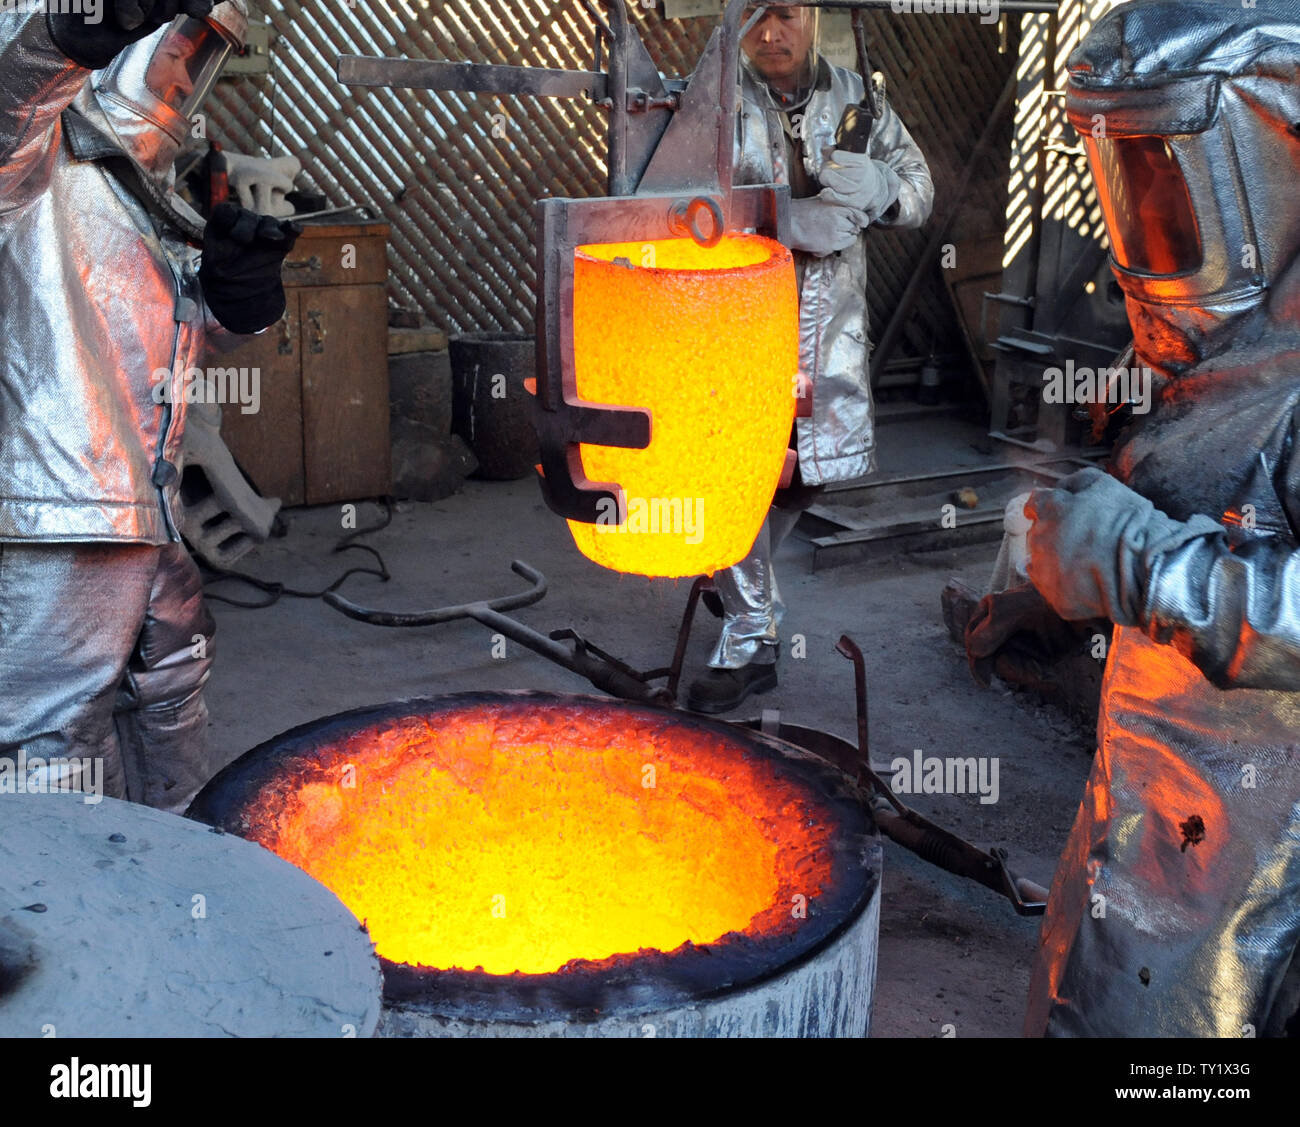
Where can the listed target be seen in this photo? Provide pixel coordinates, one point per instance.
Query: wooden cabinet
(321, 432)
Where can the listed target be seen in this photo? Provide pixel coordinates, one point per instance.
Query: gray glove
(820, 226)
(1094, 542)
(857, 181)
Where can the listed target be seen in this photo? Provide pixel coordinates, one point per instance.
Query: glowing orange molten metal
(707, 340)
(519, 840)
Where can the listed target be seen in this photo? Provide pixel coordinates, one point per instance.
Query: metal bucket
(491, 408)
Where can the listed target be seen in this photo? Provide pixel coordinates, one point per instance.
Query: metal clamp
(639, 101)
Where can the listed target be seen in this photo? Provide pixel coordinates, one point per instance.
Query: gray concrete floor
(951, 953)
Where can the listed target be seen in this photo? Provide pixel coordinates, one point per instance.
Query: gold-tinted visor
(1149, 211)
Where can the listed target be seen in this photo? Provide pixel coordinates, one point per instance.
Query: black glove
(240, 272)
(1016, 634)
(121, 23)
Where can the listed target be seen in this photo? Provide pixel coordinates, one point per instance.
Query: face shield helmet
(1195, 172)
(1153, 228)
(782, 49)
(153, 89)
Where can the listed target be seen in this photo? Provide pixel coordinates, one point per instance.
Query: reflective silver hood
(1189, 112)
(151, 91)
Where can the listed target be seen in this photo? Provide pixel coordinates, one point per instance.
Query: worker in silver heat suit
(105, 308)
(1175, 909)
(792, 101)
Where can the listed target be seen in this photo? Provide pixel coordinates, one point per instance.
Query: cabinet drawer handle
(286, 335)
(312, 263)
(318, 330)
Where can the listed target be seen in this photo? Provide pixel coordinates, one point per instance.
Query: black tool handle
(854, 132)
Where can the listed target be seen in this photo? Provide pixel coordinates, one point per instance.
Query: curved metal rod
(847, 647)
(446, 614)
(864, 62)
(923, 837)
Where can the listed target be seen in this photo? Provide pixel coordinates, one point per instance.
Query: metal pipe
(368, 217)
(729, 55)
(619, 182)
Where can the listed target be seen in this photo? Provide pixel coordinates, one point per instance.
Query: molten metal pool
(501, 847)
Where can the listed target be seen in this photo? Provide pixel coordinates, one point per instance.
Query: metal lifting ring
(686, 220)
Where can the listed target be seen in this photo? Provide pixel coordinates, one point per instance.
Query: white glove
(854, 179)
(261, 183)
(820, 226)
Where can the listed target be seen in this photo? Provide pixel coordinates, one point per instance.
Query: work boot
(721, 690)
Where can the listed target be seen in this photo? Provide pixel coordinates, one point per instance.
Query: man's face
(169, 70)
(778, 44)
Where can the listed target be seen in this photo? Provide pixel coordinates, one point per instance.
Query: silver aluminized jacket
(1176, 905)
(837, 443)
(88, 452)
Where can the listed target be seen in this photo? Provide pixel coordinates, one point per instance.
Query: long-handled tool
(897, 822)
(920, 835)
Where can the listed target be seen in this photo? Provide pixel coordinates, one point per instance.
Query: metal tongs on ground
(921, 836)
(603, 670)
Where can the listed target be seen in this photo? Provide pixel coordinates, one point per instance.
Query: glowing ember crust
(520, 837)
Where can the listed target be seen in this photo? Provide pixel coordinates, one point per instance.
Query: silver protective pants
(104, 651)
(751, 601)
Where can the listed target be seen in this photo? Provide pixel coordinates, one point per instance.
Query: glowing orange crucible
(706, 339)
